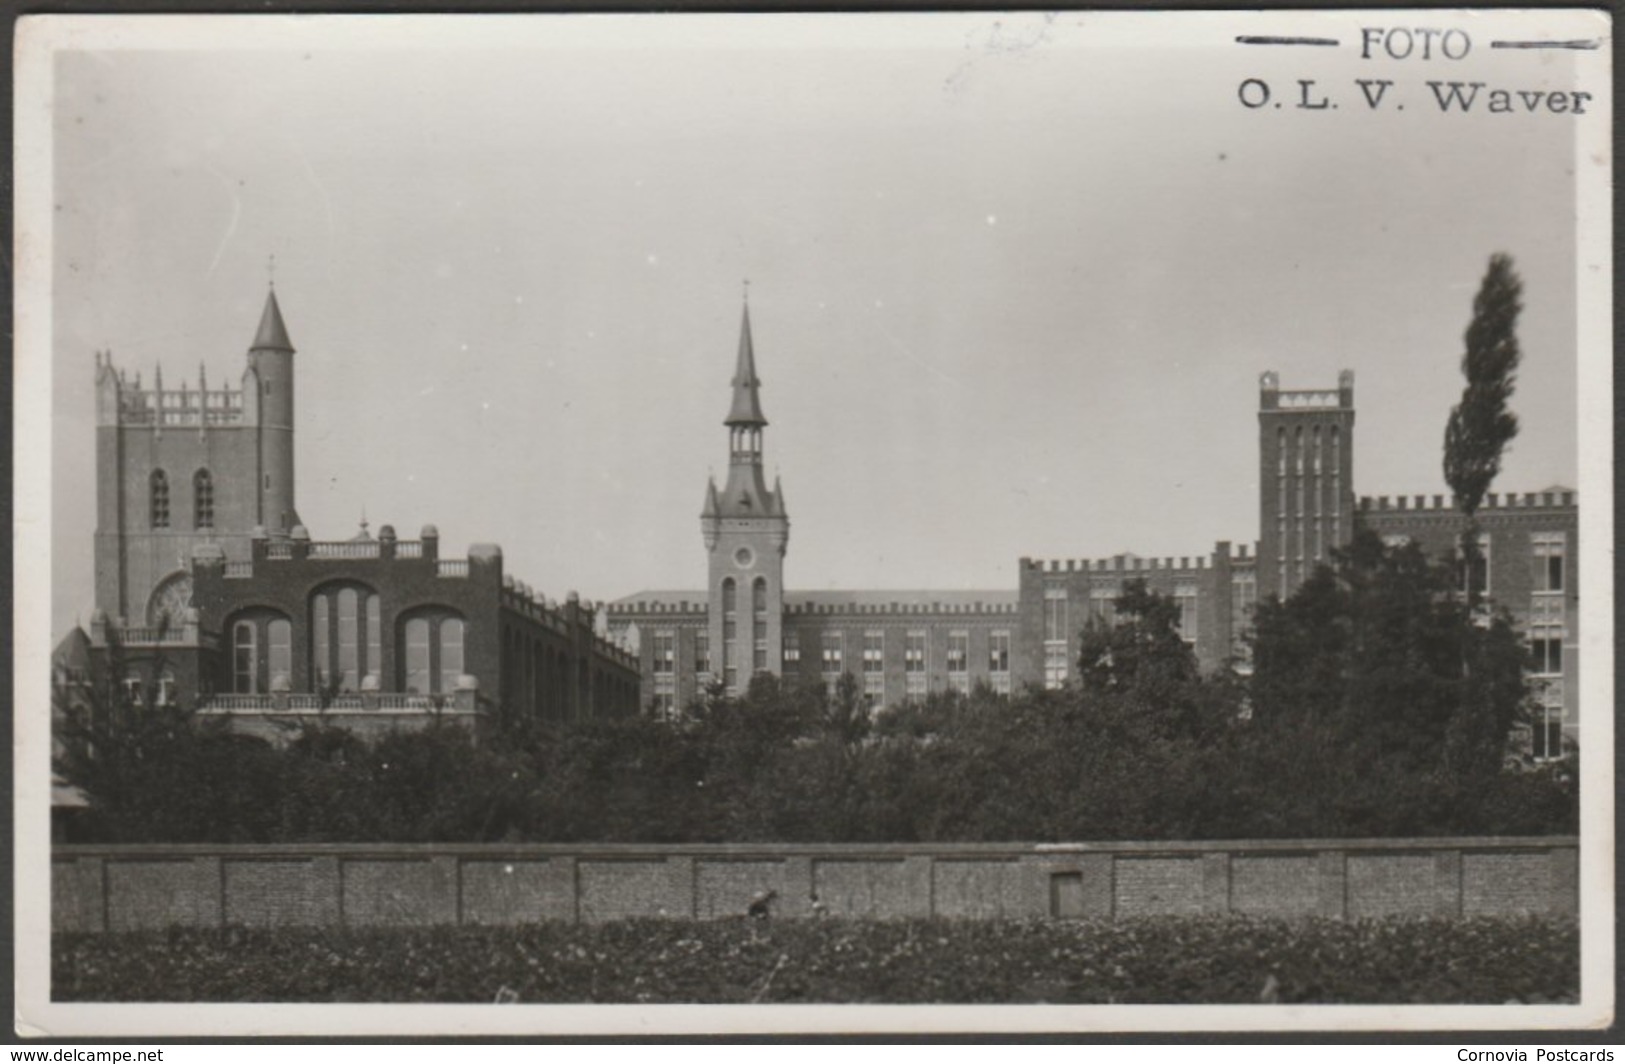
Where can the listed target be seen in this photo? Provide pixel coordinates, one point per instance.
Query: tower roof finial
(747, 403)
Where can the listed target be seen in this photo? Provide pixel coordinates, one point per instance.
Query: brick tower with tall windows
(181, 466)
(746, 530)
(1305, 479)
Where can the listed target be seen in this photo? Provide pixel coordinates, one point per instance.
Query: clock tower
(746, 531)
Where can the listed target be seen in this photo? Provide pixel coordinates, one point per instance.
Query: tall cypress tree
(1481, 425)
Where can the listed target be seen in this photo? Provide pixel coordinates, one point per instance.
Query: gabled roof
(747, 404)
(272, 334)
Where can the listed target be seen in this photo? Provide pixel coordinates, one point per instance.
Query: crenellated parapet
(969, 609)
(1529, 500)
(190, 405)
(1121, 563)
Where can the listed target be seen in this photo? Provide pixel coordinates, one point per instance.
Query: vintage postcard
(1194, 429)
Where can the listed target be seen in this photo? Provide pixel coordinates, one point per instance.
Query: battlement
(1310, 398)
(1530, 500)
(682, 606)
(1272, 397)
(971, 609)
(196, 406)
(1121, 563)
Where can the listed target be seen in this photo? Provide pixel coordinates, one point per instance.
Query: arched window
(345, 636)
(728, 598)
(202, 499)
(245, 658)
(758, 631)
(261, 650)
(1317, 451)
(1280, 452)
(432, 652)
(1297, 447)
(160, 499)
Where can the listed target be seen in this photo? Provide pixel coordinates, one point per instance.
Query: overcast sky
(1012, 287)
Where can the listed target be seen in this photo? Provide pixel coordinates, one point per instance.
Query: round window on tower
(743, 557)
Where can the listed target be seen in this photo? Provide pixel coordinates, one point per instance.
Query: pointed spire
(273, 334)
(747, 404)
(712, 503)
(778, 495)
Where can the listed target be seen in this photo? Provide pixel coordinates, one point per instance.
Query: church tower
(186, 464)
(746, 531)
(1305, 480)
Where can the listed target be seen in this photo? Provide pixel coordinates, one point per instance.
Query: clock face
(743, 557)
(169, 603)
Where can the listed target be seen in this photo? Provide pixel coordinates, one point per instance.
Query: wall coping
(424, 850)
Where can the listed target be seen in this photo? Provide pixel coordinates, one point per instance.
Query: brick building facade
(903, 644)
(210, 592)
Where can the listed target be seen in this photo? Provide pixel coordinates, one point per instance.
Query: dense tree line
(1377, 704)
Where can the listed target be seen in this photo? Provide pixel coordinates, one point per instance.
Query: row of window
(202, 499)
(833, 651)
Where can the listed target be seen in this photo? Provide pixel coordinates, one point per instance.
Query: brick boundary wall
(121, 888)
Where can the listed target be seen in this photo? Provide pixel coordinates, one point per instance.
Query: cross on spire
(270, 269)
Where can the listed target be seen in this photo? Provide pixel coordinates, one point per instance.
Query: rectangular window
(1478, 578)
(1103, 604)
(1548, 654)
(874, 690)
(833, 651)
(665, 653)
(1550, 548)
(1055, 634)
(1054, 614)
(419, 678)
(998, 661)
(702, 653)
(792, 648)
(1054, 665)
(759, 644)
(1243, 601)
(914, 663)
(1185, 599)
(874, 653)
(1546, 736)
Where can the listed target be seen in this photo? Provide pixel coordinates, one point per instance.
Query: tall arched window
(432, 653)
(758, 631)
(160, 499)
(202, 499)
(730, 635)
(345, 636)
(261, 649)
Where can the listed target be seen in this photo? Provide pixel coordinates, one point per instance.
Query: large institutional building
(210, 592)
(906, 644)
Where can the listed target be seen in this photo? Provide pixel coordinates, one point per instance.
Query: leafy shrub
(1188, 960)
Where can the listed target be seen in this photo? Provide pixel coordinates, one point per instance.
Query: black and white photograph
(889, 522)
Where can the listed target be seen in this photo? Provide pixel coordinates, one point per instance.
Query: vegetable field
(1162, 960)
